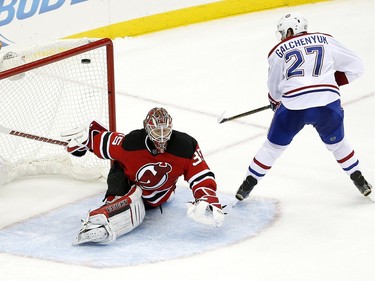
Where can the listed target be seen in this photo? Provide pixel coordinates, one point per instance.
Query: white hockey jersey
(302, 70)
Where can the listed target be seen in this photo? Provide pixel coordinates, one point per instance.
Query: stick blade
(221, 118)
(4, 130)
(371, 196)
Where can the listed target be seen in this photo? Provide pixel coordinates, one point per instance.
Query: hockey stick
(371, 196)
(221, 118)
(6, 130)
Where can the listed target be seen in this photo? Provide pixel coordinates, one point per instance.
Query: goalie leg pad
(110, 221)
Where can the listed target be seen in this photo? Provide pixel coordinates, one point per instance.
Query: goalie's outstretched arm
(80, 139)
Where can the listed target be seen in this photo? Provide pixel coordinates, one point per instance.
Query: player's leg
(258, 167)
(113, 219)
(118, 183)
(285, 125)
(346, 158)
(331, 130)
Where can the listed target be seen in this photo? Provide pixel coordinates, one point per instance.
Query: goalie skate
(95, 229)
(95, 235)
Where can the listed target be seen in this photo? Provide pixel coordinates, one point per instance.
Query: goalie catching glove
(79, 139)
(206, 209)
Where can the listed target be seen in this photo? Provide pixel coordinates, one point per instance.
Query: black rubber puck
(85, 61)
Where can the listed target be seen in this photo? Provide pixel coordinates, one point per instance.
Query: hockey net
(48, 89)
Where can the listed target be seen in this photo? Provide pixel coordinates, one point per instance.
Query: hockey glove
(202, 212)
(80, 139)
(274, 104)
(206, 209)
(341, 78)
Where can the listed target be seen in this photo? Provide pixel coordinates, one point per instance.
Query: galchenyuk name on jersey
(298, 42)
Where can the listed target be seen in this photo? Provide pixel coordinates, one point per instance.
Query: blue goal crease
(162, 236)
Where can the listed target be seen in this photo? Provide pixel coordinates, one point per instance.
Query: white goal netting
(48, 89)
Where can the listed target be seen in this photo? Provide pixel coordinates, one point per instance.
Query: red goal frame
(105, 42)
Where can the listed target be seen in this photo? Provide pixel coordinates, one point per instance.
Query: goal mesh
(48, 89)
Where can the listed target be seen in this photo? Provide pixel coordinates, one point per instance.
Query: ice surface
(162, 236)
(325, 230)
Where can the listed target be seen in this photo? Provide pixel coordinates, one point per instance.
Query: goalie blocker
(113, 219)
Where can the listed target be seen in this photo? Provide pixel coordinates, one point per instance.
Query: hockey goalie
(147, 164)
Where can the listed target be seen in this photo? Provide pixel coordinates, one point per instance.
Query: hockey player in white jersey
(304, 76)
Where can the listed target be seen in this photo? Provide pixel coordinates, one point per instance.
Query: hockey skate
(95, 229)
(95, 235)
(245, 188)
(359, 181)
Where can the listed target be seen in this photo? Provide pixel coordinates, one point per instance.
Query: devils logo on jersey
(153, 175)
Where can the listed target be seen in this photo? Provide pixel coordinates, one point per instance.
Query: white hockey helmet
(294, 21)
(158, 125)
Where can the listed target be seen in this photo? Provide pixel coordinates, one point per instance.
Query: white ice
(325, 230)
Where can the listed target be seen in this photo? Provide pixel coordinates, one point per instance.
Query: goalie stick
(221, 118)
(6, 130)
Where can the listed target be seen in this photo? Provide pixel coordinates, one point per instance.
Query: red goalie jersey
(156, 173)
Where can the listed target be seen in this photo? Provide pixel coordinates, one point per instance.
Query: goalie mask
(158, 125)
(294, 21)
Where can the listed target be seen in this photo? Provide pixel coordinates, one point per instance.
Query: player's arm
(97, 139)
(348, 65)
(206, 207)
(275, 76)
(80, 138)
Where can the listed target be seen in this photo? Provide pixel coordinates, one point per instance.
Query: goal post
(47, 89)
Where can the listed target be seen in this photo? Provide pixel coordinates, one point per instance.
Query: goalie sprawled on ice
(147, 165)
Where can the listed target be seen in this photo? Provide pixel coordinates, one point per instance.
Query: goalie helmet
(294, 21)
(158, 125)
